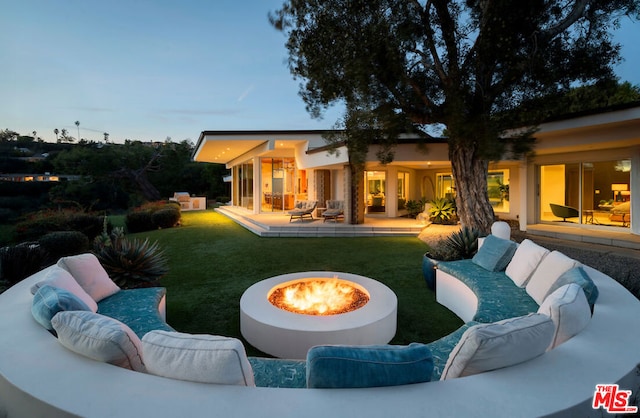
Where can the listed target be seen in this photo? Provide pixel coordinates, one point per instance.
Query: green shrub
(130, 263)
(414, 207)
(145, 218)
(21, 261)
(139, 222)
(64, 243)
(166, 218)
(90, 225)
(37, 224)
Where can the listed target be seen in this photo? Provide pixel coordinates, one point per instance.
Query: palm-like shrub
(442, 210)
(131, 263)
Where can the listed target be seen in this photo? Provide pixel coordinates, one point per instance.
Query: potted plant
(459, 245)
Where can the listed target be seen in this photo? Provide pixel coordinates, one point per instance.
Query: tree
(56, 131)
(474, 66)
(78, 126)
(65, 137)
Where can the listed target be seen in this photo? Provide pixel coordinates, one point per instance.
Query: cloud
(246, 93)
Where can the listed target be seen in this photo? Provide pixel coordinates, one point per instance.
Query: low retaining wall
(39, 377)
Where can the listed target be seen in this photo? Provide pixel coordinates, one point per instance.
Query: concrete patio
(278, 225)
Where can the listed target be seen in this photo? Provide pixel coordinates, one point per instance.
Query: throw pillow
(340, 366)
(524, 262)
(548, 271)
(89, 274)
(486, 347)
(495, 253)
(50, 300)
(569, 310)
(62, 279)
(197, 358)
(580, 277)
(100, 338)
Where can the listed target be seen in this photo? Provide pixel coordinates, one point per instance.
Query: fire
(319, 296)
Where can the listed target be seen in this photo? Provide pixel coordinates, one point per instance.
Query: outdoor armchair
(303, 209)
(335, 210)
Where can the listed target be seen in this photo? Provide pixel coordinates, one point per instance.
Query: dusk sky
(152, 69)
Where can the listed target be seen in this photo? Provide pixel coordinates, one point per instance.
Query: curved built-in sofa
(40, 377)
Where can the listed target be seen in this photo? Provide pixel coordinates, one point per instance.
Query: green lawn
(213, 261)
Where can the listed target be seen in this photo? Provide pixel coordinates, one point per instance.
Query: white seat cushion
(100, 338)
(524, 262)
(501, 344)
(548, 271)
(197, 358)
(89, 274)
(569, 310)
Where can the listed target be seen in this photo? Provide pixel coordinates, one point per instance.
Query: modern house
(587, 165)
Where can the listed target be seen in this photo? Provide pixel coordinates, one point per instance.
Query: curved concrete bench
(39, 377)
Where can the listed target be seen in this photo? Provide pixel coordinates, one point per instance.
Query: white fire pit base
(286, 334)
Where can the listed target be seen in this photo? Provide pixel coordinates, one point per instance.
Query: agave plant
(457, 246)
(442, 210)
(130, 263)
(464, 241)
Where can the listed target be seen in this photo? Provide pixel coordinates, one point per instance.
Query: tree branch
(578, 11)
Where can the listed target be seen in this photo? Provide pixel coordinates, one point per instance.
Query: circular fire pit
(287, 334)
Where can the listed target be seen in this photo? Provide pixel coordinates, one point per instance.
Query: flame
(321, 296)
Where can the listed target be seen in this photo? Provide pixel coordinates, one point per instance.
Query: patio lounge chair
(564, 212)
(302, 209)
(335, 210)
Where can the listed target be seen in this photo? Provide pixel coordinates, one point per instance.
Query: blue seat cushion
(579, 276)
(498, 297)
(279, 373)
(137, 308)
(440, 349)
(350, 366)
(50, 300)
(495, 253)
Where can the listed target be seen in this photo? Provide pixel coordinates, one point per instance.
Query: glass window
(246, 185)
(595, 193)
(403, 189)
(375, 189)
(498, 190)
(445, 186)
(278, 184)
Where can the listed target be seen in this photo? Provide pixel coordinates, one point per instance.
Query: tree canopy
(473, 66)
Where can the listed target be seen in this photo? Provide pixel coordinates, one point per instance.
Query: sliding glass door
(278, 184)
(590, 192)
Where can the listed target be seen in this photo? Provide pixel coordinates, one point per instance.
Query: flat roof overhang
(222, 147)
(615, 129)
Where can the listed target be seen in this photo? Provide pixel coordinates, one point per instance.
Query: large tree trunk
(470, 174)
(355, 209)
